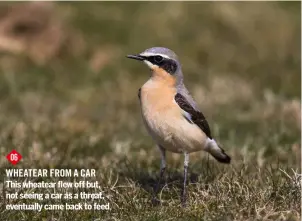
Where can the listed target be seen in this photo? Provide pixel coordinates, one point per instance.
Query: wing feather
(193, 115)
(139, 93)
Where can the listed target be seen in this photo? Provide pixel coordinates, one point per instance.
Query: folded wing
(193, 115)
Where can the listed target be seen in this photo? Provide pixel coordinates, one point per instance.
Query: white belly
(175, 134)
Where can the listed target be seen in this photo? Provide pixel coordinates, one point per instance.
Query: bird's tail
(217, 152)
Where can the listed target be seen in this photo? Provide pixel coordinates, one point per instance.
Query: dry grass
(79, 109)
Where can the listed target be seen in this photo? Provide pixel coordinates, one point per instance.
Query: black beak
(136, 57)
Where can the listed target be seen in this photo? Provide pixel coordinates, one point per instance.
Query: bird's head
(163, 63)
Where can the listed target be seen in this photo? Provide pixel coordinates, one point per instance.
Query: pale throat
(161, 77)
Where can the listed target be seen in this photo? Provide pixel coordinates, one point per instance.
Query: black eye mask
(168, 65)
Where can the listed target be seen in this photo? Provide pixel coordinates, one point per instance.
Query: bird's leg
(183, 194)
(162, 172)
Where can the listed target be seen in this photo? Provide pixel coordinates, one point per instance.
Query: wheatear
(171, 115)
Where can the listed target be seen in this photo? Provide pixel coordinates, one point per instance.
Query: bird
(170, 114)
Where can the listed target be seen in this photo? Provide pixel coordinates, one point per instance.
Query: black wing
(139, 93)
(195, 116)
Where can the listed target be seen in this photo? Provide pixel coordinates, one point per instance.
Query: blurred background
(68, 95)
(64, 74)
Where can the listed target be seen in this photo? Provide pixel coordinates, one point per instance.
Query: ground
(69, 100)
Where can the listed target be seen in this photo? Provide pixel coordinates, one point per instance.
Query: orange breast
(158, 93)
(157, 97)
(162, 77)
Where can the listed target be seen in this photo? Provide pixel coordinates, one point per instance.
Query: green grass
(78, 108)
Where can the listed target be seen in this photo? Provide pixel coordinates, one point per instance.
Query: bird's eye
(158, 58)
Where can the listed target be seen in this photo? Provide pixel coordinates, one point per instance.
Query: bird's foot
(183, 201)
(155, 201)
